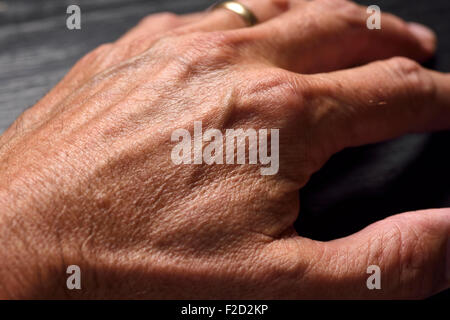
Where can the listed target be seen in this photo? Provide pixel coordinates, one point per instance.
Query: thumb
(410, 249)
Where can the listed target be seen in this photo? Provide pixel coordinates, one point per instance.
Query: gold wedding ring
(245, 13)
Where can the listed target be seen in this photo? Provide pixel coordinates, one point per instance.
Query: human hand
(87, 178)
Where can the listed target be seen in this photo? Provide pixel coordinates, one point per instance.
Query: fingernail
(426, 36)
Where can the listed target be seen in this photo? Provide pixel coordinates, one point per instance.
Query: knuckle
(167, 16)
(417, 83)
(405, 69)
(273, 91)
(404, 66)
(97, 53)
(91, 59)
(408, 260)
(103, 48)
(351, 13)
(164, 18)
(341, 5)
(273, 85)
(291, 263)
(22, 122)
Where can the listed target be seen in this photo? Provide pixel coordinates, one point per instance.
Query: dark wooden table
(357, 186)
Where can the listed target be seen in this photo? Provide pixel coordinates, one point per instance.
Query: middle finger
(327, 35)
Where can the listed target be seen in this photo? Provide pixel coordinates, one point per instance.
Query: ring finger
(224, 19)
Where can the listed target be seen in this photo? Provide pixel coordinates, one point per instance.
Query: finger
(141, 37)
(326, 35)
(152, 26)
(378, 102)
(410, 250)
(213, 20)
(224, 19)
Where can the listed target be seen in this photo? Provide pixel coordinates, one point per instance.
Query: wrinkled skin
(86, 176)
